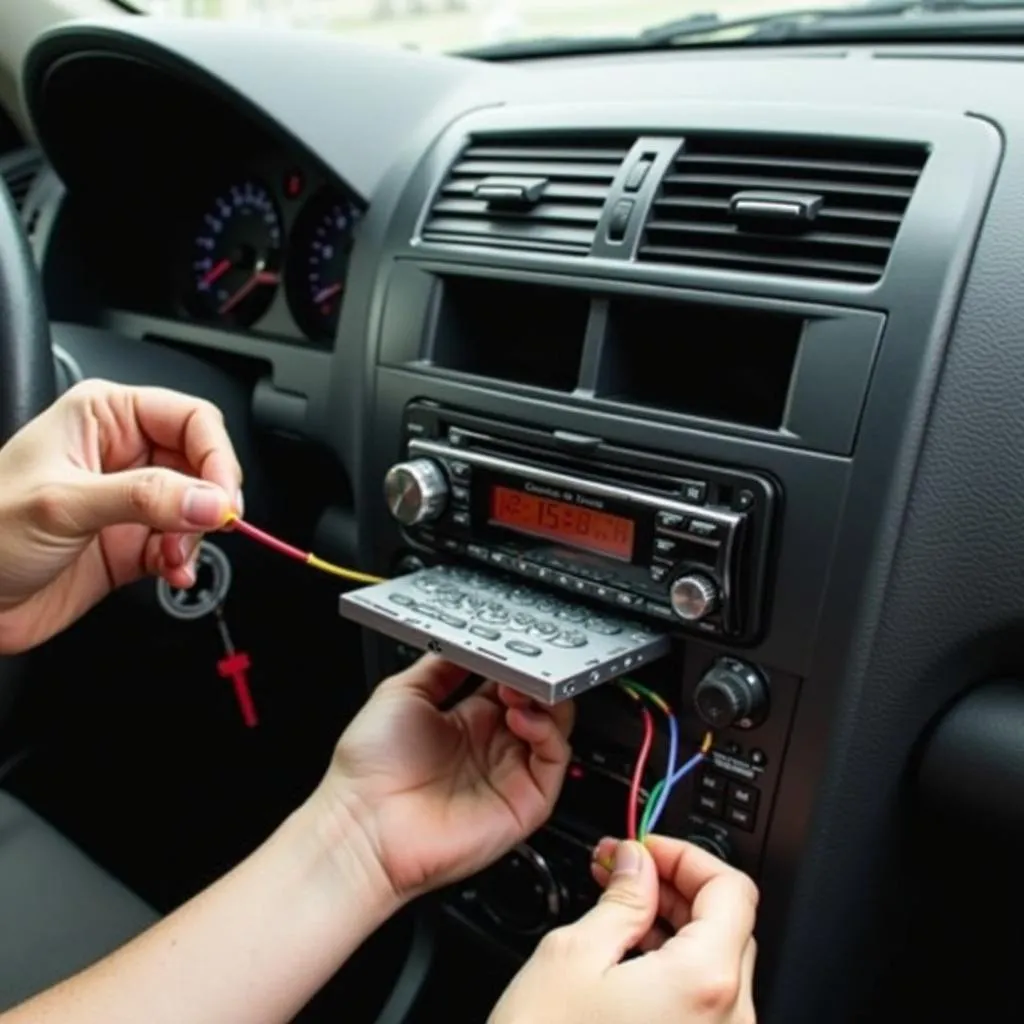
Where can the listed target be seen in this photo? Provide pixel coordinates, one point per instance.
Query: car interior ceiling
(770, 308)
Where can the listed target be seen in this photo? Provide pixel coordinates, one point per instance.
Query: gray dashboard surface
(925, 595)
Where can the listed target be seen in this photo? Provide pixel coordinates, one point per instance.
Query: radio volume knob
(694, 596)
(416, 491)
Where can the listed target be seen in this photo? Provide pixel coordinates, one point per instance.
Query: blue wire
(671, 781)
(673, 755)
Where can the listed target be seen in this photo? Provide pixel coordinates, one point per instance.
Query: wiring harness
(659, 796)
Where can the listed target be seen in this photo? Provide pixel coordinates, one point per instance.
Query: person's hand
(690, 916)
(441, 794)
(109, 484)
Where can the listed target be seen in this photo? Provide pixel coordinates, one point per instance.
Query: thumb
(627, 908)
(159, 498)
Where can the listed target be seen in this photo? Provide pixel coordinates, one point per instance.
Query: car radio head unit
(658, 538)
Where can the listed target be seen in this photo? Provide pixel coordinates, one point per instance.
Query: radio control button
(460, 494)
(476, 551)
(543, 630)
(460, 518)
(665, 546)
(659, 572)
(670, 520)
(705, 529)
(695, 491)
(569, 638)
(604, 626)
(485, 631)
(522, 647)
(627, 599)
(571, 614)
(416, 491)
(694, 597)
(493, 614)
(459, 470)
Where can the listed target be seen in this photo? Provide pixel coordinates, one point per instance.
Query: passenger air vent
(527, 192)
(19, 170)
(772, 205)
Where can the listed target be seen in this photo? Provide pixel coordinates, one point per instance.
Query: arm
(252, 948)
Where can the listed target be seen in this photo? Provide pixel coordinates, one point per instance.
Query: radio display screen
(599, 532)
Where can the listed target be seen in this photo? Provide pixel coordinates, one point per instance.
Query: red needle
(260, 277)
(326, 293)
(217, 270)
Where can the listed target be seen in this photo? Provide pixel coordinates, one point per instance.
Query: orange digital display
(599, 532)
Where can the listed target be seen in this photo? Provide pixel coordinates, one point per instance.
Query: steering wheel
(27, 377)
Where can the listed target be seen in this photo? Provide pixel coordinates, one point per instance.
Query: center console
(609, 386)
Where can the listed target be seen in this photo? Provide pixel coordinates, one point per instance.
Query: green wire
(652, 802)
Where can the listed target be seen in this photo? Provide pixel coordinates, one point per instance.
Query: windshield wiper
(881, 19)
(884, 17)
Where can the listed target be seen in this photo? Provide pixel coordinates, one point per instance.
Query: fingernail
(203, 506)
(627, 859)
(604, 853)
(240, 504)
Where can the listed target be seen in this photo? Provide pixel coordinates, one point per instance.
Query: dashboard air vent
(811, 208)
(19, 170)
(527, 192)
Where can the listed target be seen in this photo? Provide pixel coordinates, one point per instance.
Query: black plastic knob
(731, 695)
(717, 845)
(520, 893)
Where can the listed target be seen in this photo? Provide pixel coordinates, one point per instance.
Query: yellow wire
(706, 745)
(318, 563)
(345, 574)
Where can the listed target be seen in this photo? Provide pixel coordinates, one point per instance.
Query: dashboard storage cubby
(712, 362)
(511, 331)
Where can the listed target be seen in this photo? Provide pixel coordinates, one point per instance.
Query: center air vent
(765, 204)
(527, 192)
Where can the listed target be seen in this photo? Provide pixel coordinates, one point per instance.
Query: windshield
(449, 25)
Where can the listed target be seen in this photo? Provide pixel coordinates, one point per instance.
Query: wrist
(341, 841)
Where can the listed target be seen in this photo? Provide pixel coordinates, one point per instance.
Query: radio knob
(731, 694)
(416, 491)
(520, 893)
(694, 596)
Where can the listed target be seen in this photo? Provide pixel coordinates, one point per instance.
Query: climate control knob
(694, 596)
(717, 845)
(731, 694)
(416, 491)
(520, 893)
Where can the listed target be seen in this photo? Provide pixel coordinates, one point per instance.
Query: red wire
(256, 534)
(633, 807)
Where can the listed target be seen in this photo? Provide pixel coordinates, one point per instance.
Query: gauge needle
(260, 277)
(216, 271)
(326, 293)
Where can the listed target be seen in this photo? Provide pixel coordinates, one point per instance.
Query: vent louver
(822, 209)
(527, 192)
(19, 170)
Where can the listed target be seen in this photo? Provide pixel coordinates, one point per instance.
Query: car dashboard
(773, 287)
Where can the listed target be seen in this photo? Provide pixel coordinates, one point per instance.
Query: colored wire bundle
(660, 794)
(262, 537)
(636, 783)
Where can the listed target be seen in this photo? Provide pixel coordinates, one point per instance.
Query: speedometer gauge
(234, 268)
(318, 262)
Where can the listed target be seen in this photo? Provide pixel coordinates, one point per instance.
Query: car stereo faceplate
(546, 647)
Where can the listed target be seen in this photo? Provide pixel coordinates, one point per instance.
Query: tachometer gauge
(318, 262)
(235, 257)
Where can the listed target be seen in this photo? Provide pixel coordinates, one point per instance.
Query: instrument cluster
(266, 250)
